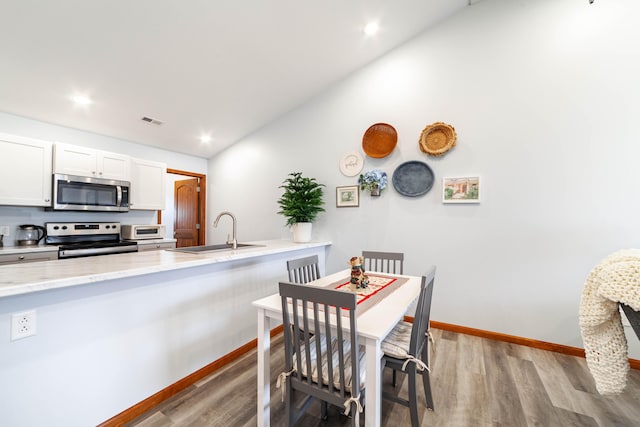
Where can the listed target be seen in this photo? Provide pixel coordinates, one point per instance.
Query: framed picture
(348, 196)
(464, 189)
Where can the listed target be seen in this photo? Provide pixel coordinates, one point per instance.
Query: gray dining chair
(406, 349)
(328, 365)
(633, 317)
(383, 262)
(303, 270)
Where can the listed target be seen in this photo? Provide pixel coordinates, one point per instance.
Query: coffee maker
(30, 234)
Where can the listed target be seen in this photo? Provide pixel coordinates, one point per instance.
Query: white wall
(14, 216)
(543, 95)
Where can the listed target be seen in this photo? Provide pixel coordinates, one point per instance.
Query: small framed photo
(348, 196)
(464, 189)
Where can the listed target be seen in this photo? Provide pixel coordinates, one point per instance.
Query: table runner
(379, 287)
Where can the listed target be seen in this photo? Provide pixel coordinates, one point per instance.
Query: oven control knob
(64, 227)
(55, 227)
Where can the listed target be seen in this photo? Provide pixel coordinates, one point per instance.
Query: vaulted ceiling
(222, 68)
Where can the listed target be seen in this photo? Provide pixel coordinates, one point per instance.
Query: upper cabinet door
(147, 185)
(74, 160)
(82, 161)
(114, 166)
(25, 171)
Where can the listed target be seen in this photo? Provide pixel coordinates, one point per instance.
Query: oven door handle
(97, 251)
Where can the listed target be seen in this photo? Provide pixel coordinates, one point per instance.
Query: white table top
(375, 322)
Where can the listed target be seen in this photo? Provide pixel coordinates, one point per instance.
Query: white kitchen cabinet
(81, 161)
(25, 171)
(148, 183)
(155, 245)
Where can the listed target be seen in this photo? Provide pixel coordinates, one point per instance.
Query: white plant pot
(301, 232)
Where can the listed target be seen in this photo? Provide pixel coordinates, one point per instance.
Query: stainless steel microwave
(80, 193)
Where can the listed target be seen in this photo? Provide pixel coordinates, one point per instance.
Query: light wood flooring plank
(475, 382)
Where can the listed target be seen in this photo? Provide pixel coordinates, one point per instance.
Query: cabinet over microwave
(80, 193)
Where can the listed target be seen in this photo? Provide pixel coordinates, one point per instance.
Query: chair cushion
(397, 342)
(335, 357)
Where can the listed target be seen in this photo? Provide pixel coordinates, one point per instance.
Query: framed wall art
(348, 196)
(464, 189)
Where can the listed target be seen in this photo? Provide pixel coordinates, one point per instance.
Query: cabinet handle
(46, 200)
(21, 257)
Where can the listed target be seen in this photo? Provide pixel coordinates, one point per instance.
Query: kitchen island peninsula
(113, 330)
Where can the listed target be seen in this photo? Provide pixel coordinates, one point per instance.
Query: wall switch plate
(4, 230)
(23, 325)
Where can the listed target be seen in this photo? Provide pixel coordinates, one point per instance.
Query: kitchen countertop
(8, 250)
(16, 279)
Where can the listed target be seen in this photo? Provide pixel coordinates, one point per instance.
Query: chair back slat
(423, 313)
(303, 270)
(303, 306)
(384, 262)
(318, 339)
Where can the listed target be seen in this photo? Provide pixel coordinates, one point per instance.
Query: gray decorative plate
(413, 178)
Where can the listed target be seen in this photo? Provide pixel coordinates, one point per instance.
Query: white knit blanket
(615, 279)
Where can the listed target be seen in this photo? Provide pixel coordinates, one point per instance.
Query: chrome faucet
(233, 241)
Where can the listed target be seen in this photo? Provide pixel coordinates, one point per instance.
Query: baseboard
(542, 345)
(175, 388)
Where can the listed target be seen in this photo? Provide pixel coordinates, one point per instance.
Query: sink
(212, 248)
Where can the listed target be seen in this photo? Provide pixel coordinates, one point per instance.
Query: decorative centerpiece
(300, 204)
(359, 280)
(375, 181)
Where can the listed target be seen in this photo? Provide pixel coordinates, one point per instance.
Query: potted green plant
(300, 204)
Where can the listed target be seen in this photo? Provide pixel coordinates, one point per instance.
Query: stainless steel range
(78, 239)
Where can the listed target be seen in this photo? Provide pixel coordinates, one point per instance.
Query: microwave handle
(119, 195)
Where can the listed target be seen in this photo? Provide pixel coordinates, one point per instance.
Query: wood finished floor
(475, 382)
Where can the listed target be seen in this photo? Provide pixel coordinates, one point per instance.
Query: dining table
(380, 307)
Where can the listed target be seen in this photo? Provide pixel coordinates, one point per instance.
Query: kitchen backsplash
(14, 216)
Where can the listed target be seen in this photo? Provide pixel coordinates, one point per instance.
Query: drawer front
(143, 247)
(27, 257)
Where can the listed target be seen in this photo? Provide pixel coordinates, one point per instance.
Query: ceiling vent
(152, 120)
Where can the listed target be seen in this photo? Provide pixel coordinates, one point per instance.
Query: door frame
(202, 202)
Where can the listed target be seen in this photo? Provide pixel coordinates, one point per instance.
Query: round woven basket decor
(379, 140)
(437, 138)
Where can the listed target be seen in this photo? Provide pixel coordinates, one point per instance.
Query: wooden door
(187, 222)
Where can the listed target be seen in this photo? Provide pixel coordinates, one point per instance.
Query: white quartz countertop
(10, 250)
(22, 278)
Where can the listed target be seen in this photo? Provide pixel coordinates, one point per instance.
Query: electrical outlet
(23, 324)
(4, 230)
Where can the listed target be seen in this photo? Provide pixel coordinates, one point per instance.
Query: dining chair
(406, 349)
(633, 317)
(329, 365)
(383, 262)
(303, 270)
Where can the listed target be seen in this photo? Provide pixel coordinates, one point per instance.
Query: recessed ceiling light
(371, 28)
(81, 100)
(205, 139)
